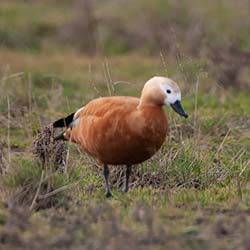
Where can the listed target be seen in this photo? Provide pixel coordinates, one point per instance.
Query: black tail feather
(64, 122)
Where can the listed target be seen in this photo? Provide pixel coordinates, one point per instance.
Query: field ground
(193, 194)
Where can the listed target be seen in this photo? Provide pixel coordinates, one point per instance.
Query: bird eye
(168, 91)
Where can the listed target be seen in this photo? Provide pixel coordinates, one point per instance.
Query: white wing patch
(79, 110)
(74, 123)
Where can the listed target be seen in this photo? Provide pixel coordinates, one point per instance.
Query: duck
(123, 130)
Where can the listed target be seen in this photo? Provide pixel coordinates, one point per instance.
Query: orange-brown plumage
(115, 131)
(122, 129)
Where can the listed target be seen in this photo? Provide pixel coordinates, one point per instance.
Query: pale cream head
(162, 90)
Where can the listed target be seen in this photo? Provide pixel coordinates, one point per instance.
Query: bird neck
(148, 101)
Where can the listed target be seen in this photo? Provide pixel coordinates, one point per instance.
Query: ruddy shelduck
(123, 130)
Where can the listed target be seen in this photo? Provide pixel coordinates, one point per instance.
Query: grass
(199, 176)
(193, 194)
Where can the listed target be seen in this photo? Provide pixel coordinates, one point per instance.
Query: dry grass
(193, 194)
(48, 151)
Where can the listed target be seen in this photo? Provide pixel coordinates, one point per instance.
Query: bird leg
(126, 181)
(106, 176)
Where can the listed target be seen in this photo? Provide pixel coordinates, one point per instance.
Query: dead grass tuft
(48, 151)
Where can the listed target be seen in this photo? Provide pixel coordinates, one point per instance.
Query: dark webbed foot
(108, 195)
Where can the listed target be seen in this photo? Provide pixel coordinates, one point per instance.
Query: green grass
(184, 189)
(193, 194)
